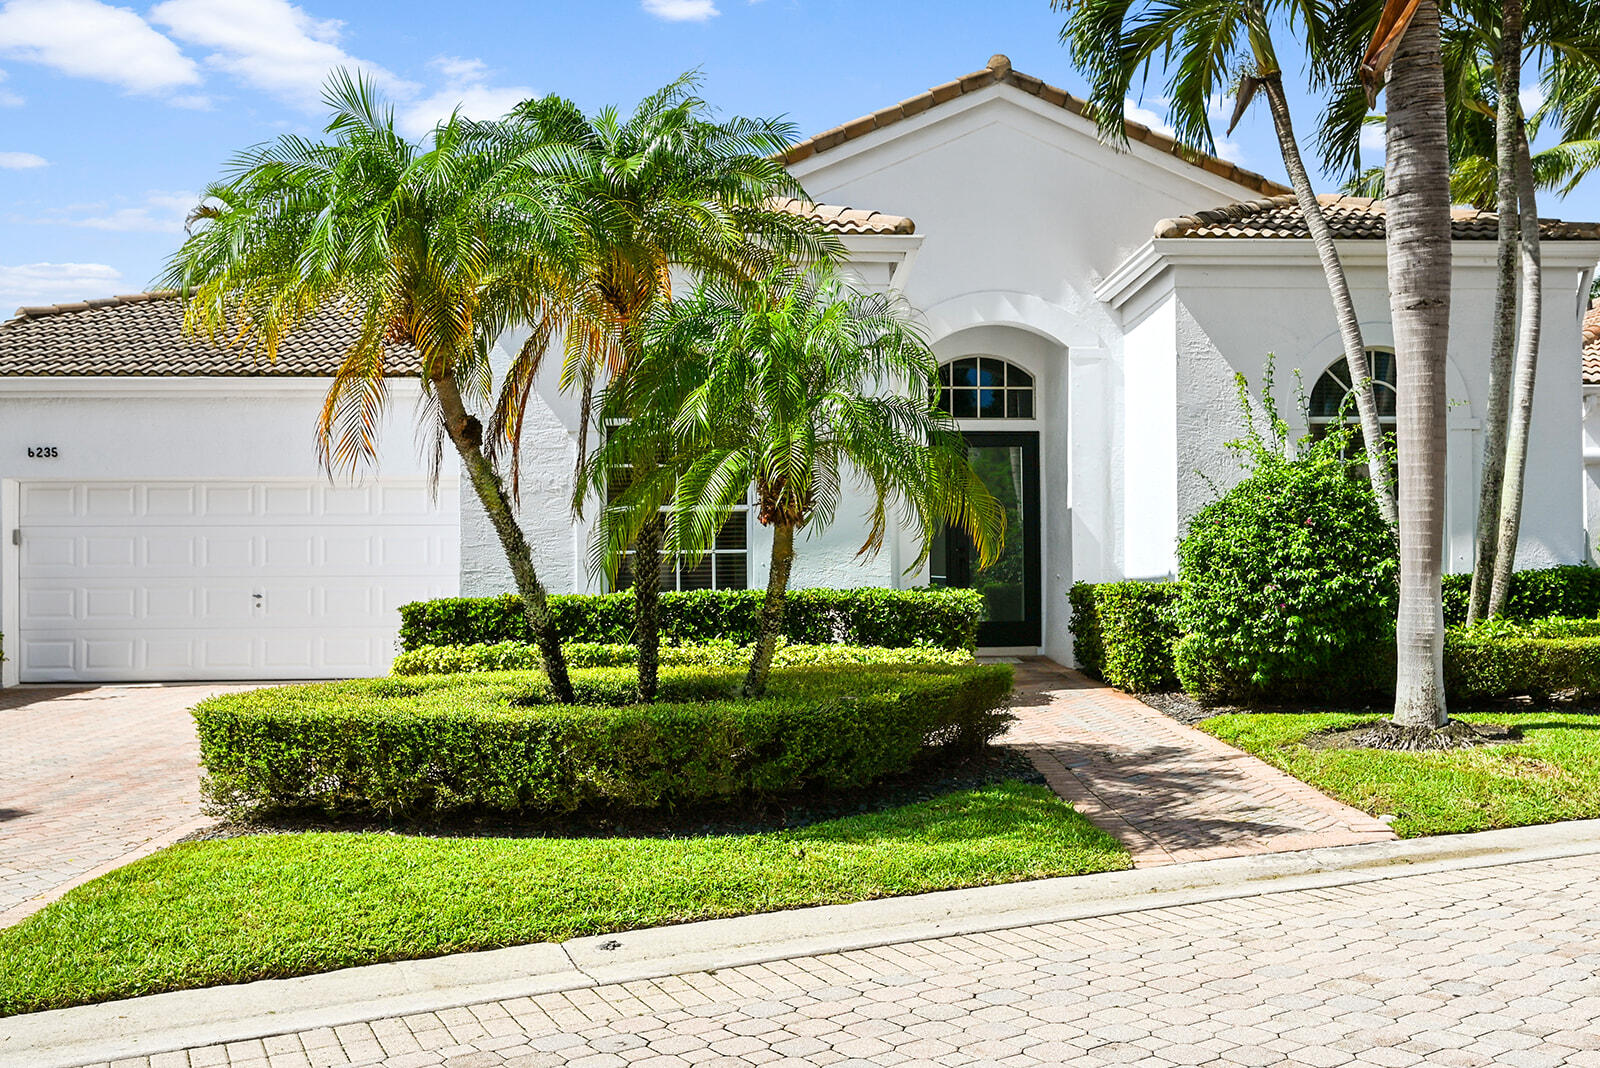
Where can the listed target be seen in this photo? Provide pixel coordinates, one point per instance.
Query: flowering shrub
(1289, 582)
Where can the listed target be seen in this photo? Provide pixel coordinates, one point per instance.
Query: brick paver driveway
(91, 778)
(1497, 965)
(1169, 792)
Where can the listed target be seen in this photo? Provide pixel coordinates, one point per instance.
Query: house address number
(43, 452)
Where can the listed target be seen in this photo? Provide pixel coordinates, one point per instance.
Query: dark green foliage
(1123, 633)
(1571, 590)
(1290, 578)
(943, 617)
(486, 742)
(1479, 666)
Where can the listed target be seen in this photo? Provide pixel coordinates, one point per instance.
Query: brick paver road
(1169, 792)
(90, 779)
(1489, 966)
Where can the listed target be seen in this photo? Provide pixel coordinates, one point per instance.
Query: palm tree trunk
(1355, 350)
(770, 623)
(1492, 481)
(1418, 180)
(1523, 380)
(466, 433)
(647, 602)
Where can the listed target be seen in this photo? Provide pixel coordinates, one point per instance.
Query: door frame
(1028, 631)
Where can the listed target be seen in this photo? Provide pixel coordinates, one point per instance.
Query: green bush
(1479, 666)
(486, 742)
(1570, 590)
(1123, 633)
(519, 656)
(937, 616)
(1290, 581)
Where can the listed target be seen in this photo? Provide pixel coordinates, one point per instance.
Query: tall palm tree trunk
(1523, 380)
(647, 603)
(466, 434)
(1355, 350)
(769, 625)
(1491, 484)
(1418, 181)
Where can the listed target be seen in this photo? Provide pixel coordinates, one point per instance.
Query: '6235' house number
(43, 452)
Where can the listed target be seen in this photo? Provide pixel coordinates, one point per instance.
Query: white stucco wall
(1239, 300)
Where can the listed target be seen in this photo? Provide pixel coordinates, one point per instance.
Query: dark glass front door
(1008, 463)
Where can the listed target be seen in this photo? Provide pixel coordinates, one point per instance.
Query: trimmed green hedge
(1123, 633)
(1480, 667)
(1570, 590)
(487, 742)
(938, 616)
(520, 656)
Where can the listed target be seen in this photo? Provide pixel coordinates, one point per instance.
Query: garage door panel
(156, 581)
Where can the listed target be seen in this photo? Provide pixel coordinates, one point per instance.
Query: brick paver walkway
(1169, 792)
(90, 779)
(1489, 966)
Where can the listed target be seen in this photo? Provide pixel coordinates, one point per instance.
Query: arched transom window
(1328, 396)
(985, 387)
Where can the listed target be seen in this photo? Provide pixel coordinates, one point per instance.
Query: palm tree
(1484, 45)
(1406, 49)
(668, 188)
(795, 389)
(1217, 44)
(440, 247)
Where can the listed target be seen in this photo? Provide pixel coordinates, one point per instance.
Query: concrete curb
(163, 1022)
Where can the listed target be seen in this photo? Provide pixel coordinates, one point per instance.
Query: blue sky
(112, 117)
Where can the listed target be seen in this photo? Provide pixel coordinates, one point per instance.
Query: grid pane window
(985, 387)
(725, 567)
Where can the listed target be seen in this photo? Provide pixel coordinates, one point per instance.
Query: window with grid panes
(725, 567)
(985, 387)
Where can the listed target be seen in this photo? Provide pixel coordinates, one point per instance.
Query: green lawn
(267, 906)
(1552, 774)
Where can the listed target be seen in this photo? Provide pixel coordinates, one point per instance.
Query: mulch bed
(996, 764)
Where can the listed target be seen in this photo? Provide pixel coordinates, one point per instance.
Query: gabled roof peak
(999, 71)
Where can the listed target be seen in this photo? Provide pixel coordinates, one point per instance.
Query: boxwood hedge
(492, 743)
(938, 616)
(1547, 643)
(520, 656)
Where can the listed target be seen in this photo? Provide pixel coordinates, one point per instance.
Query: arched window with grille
(985, 387)
(1328, 395)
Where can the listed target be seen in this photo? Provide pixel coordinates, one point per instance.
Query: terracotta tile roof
(1591, 346)
(142, 334)
(999, 71)
(1352, 218)
(849, 220)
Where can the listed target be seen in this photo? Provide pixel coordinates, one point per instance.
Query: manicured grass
(1552, 774)
(268, 906)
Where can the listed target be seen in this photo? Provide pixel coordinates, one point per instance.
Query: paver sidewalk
(90, 779)
(1169, 792)
(1496, 965)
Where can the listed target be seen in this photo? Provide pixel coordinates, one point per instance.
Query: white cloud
(467, 88)
(681, 10)
(1231, 151)
(1134, 112)
(54, 283)
(90, 39)
(1374, 138)
(160, 212)
(1533, 98)
(1219, 107)
(8, 99)
(21, 161)
(271, 45)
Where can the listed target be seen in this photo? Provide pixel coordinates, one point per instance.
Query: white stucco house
(166, 517)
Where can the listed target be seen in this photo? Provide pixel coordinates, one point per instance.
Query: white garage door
(155, 581)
